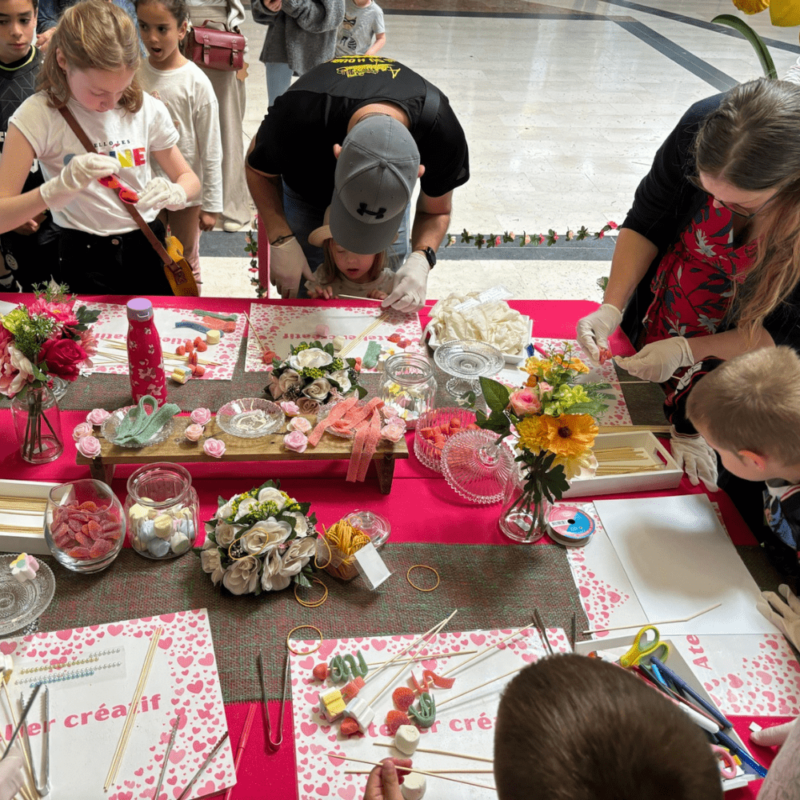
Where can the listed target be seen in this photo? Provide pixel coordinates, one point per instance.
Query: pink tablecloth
(272, 774)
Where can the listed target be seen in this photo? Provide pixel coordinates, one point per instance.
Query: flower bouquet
(312, 376)
(552, 422)
(50, 338)
(261, 540)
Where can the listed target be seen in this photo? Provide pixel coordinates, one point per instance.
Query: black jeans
(123, 264)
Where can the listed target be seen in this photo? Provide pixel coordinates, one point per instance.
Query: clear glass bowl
(112, 423)
(476, 467)
(22, 603)
(425, 449)
(466, 361)
(84, 526)
(162, 510)
(250, 417)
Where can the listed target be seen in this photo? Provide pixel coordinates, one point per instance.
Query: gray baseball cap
(374, 180)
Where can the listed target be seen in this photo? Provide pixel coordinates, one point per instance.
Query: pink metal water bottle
(145, 362)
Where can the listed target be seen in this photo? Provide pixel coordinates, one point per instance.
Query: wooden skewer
(633, 428)
(480, 686)
(368, 330)
(433, 771)
(486, 650)
(17, 512)
(356, 297)
(252, 328)
(134, 710)
(19, 529)
(7, 501)
(441, 753)
(411, 769)
(660, 622)
(626, 470)
(430, 657)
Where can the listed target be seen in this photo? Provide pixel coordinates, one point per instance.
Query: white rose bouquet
(260, 541)
(311, 375)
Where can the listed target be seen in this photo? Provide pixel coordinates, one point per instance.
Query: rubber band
(313, 603)
(324, 539)
(422, 566)
(308, 652)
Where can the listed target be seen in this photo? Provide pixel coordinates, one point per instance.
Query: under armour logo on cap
(362, 209)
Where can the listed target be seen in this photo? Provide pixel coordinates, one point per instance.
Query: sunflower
(568, 436)
(530, 432)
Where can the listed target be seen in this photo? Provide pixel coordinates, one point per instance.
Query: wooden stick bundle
(377, 322)
(624, 470)
(430, 657)
(441, 752)
(19, 504)
(133, 711)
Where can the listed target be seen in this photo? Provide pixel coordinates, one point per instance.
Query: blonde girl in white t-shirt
(192, 104)
(90, 68)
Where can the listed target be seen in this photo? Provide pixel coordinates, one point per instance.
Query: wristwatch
(430, 255)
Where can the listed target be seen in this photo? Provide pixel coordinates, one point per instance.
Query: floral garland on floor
(507, 237)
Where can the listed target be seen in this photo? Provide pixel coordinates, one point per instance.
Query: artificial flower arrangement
(311, 376)
(260, 541)
(551, 420)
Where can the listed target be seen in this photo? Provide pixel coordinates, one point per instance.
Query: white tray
(429, 334)
(667, 478)
(23, 542)
(619, 645)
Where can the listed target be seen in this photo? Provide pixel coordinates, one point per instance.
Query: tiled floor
(563, 103)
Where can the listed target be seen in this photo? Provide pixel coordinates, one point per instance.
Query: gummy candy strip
(425, 715)
(137, 427)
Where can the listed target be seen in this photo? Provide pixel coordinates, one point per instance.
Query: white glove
(59, 192)
(786, 618)
(410, 285)
(594, 330)
(288, 266)
(659, 361)
(696, 457)
(161, 193)
(11, 773)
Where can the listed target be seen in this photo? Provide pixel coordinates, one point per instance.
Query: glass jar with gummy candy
(409, 386)
(162, 511)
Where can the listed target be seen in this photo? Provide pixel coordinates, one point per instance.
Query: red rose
(63, 357)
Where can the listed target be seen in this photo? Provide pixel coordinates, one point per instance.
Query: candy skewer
(441, 753)
(486, 650)
(479, 686)
(411, 769)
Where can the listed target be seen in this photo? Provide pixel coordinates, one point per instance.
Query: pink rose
(541, 238)
(543, 388)
(393, 432)
(89, 446)
(193, 432)
(84, 429)
(63, 357)
(527, 239)
(214, 448)
(570, 235)
(295, 441)
(200, 416)
(497, 240)
(289, 408)
(511, 235)
(97, 416)
(300, 424)
(612, 225)
(524, 403)
(601, 234)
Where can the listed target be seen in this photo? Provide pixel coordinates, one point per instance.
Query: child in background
(192, 104)
(576, 728)
(362, 32)
(90, 68)
(27, 252)
(343, 272)
(748, 410)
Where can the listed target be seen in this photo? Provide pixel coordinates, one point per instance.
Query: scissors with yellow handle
(643, 648)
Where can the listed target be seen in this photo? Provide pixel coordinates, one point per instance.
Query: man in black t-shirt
(355, 133)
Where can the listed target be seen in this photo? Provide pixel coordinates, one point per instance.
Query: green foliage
(495, 394)
(764, 57)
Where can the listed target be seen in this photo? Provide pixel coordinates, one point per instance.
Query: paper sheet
(679, 560)
(279, 327)
(464, 726)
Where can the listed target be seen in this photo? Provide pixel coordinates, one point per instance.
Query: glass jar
(162, 511)
(409, 386)
(37, 423)
(84, 525)
(522, 518)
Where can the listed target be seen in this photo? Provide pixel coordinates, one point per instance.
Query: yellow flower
(568, 436)
(531, 434)
(784, 13)
(574, 465)
(533, 365)
(751, 6)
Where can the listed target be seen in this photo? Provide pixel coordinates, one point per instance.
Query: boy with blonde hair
(748, 410)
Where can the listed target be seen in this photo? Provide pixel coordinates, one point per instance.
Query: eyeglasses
(125, 194)
(743, 214)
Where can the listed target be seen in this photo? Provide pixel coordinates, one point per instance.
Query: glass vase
(522, 519)
(37, 423)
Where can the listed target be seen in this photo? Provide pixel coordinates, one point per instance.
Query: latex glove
(60, 191)
(384, 782)
(695, 456)
(11, 775)
(410, 285)
(659, 361)
(161, 193)
(593, 331)
(288, 266)
(776, 735)
(785, 617)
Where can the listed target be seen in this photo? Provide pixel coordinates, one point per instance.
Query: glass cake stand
(476, 466)
(23, 603)
(467, 360)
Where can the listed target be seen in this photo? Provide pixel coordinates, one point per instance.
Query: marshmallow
(163, 526)
(158, 547)
(322, 331)
(179, 376)
(179, 543)
(146, 531)
(331, 705)
(137, 513)
(362, 713)
(24, 568)
(406, 739)
(338, 343)
(212, 336)
(413, 787)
